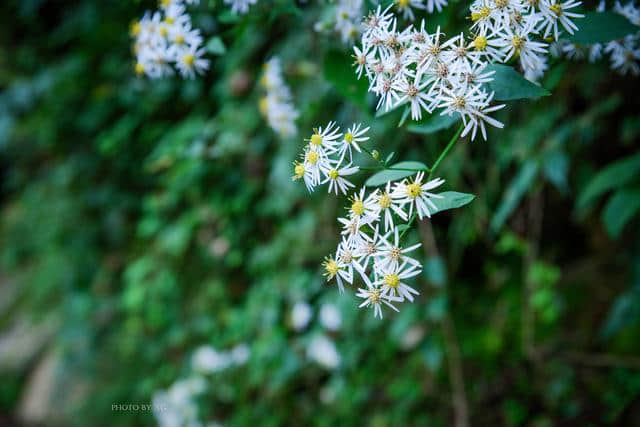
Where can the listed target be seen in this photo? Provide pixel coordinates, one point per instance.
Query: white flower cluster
(165, 39)
(377, 256)
(429, 72)
(328, 157)
(276, 106)
(177, 405)
(624, 54)
(240, 7)
(406, 7)
(344, 20)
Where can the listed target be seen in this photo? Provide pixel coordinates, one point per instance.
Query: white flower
(374, 297)
(335, 176)
(207, 360)
(240, 6)
(189, 61)
(330, 317)
(416, 194)
(354, 135)
(407, 6)
(384, 205)
(391, 280)
(390, 255)
(554, 11)
(323, 351)
(300, 315)
(240, 354)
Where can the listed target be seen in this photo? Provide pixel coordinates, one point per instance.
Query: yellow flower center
(392, 280)
(556, 8)
(135, 29)
(179, 39)
(188, 59)
(316, 139)
(414, 190)
(312, 157)
(348, 137)
(139, 68)
(330, 268)
(333, 174)
(299, 170)
(374, 296)
(395, 253)
(165, 3)
(481, 14)
(517, 42)
(169, 20)
(357, 207)
(480, 43)
(263, 105)
(502, 3)
(402, 3)
(385, 201)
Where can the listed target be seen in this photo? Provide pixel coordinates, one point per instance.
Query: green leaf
(508, 84)
(433, 124)
(613, 175)
(451, 200)
(602, 27)
(518, 187)
(384, 176)
(338, 72)
(216, 46)
(620, 208)
(435, 271)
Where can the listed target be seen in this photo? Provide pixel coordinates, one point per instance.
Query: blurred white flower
(207, 360)
(301, 315)
(330, 317)
(323, 351)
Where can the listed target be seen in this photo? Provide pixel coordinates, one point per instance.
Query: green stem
(413, 217)
(446, 150)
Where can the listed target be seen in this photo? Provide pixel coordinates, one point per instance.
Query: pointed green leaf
(451, 200)
(518, 187)
(216, 46)
(433, 124)
(602, 27)
(613, 175)
(396, 172)
(508, 84)
(620, 208)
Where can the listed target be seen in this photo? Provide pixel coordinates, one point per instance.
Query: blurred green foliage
(141, 219)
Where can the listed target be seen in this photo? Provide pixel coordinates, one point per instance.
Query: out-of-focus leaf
(437, 307)
(518, 187)
(433, 124)
(393, 174)
(338, 71)
(602, 27)
(215, 46)
(555, 168)
(620, 208)
(451, 200)
(613, 175)
(625, 311)
(435, 271)
(508, 84)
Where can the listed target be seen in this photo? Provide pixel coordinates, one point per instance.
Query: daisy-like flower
(516, 42)
(391, 280)
(417, 195)
(416, 96)
(485, 43)
(240, 7)
(362, 60)
(373, 297)
(354, 135)
(384, 205)
(391, 255)
(407, 6)
(362, 208)
(331, 271)
(348, 262)
(335, 176)
(554, 11)
(368, 248)
(352, 230)
(190, 62)
(325, 139)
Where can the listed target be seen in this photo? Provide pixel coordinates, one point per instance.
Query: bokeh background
(155, 250)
